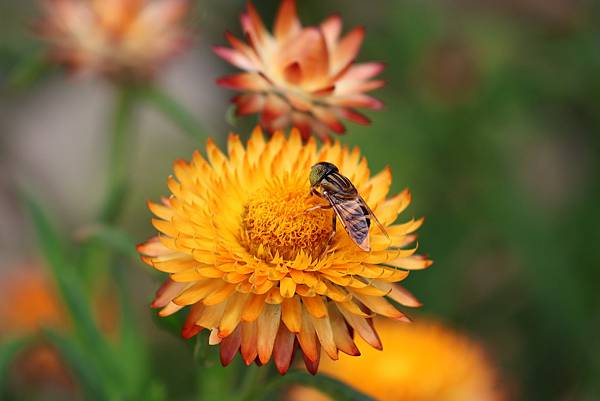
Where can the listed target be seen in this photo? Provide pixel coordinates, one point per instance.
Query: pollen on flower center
(277, 222)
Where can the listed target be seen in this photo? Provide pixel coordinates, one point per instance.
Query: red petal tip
(189, 332)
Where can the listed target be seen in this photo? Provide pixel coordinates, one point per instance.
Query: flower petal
(211, 316)
(190, 329)
(254, 27)
(249, 341)
(399, 294)
(332, 27)
(416, 262)
(382, 307)
(230, 346)
(248, 103)
(363, 328)
(253, 307)
(343, 339)
(347, 49)
(309, 50)
(315, 306)
(312, 365)
(325, 335)
(233, 314)
(355, 116)
(167, 292)
(268, 325)
(283, 349)
(287, 23)
(244, 81)
(362, 72)
(307, 338)
(234, 57)
(291, 314)
(358, 100)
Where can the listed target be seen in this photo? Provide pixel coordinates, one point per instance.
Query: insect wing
(371, 214)
(354, 216)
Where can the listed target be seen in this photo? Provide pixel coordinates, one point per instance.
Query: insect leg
(315, 192)
(317, 207)
(333, 229)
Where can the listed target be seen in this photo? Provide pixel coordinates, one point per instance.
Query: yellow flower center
(276, 221)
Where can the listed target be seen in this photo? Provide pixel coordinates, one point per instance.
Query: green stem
(252, 382)
(214, 381)
(94, 256)
(175, 112)
(119, 156)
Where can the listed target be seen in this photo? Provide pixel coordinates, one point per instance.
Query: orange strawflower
(300, 76)
(122, 39)
(423, 361)
(260, 271)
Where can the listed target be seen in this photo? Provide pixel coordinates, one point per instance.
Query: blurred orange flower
(28, 302)
(259, 271)
(122, 39)
(301, 76)
(424, 361)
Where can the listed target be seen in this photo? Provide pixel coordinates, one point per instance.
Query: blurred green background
(492, 119)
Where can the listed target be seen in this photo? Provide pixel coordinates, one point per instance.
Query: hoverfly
(354, 213)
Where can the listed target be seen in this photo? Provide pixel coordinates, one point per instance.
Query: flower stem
(119, 155)
(94, 256)
(214, 381)
(253, 379)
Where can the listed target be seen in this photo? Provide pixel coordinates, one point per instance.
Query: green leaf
(51, 245)
(132, 351)
(334, 388)
(53, 250)
(68, 284)
(174, 111)
(9, 349)
(82, 366)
